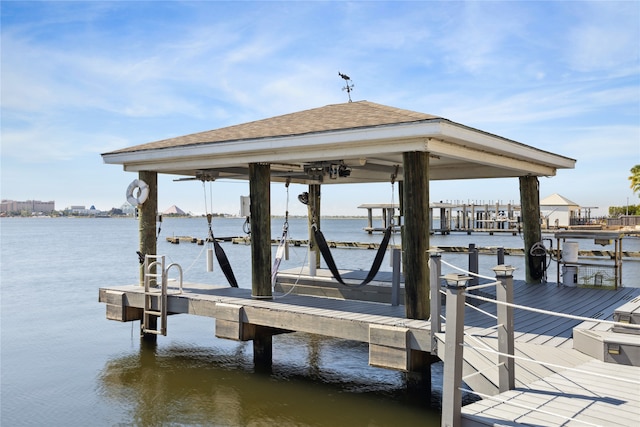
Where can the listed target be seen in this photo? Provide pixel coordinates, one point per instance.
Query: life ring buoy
(141, 195)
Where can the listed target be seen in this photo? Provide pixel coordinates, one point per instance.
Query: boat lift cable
(221, 256)
(283, 250)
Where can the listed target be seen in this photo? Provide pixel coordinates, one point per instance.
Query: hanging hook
(394, 174)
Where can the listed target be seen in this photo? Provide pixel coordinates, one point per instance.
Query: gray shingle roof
(328, 118)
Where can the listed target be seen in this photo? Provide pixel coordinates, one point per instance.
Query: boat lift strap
(225, 265)
(221, 256)
(328, 258)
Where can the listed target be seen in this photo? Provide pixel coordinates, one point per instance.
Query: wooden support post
(453, 351)
(504, 293)
(500, 255)
(530, 209)
(263, 349)
(418, 379)
(473, 217)
(313, 213)
(464, 217)
(259, 191)
(473, 263)
(147, 227)
(370, 220)
(415, 237)
(147, 218)
(400, 202)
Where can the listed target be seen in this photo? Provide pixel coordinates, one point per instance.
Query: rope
(481, 311)
(467, 272)
(282, 246)
(306, 256)
(486, 285)
(553, 365)
(551, 313)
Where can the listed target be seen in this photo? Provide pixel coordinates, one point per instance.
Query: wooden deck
(391, 337)
(566, 398)
(383, 326)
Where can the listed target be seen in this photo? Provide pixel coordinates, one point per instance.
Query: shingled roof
(350, 115)
(365, 138)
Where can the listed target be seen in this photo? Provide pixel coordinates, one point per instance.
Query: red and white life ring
(141, 195)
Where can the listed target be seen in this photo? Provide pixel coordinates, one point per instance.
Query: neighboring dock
(466, 217)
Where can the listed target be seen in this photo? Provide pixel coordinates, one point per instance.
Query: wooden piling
(530, 211)
(147, 228)
(259, 191)
(415, 236)
(313, 209)
(260, 194)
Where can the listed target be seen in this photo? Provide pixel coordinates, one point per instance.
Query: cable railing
(456, 292)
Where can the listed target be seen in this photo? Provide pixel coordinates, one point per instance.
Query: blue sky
(83, 78)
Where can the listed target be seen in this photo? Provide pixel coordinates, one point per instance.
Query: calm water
(63, 363)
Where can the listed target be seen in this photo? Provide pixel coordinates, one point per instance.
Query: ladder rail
(160, 309)
(174, 264)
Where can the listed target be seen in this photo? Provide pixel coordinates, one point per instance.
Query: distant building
(30, 206)
(127, 209)
(174, 210)
(558, 211)
(78, 210)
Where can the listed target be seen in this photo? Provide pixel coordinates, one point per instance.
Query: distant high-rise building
(30, 206)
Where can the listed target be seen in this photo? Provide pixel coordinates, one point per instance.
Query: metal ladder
(155, 300)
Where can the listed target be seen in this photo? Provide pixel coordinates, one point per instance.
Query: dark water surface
(63, 363)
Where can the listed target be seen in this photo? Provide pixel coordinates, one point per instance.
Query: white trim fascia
(493, 143)
(439, 137)
(322, 141)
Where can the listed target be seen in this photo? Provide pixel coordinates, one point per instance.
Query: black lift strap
(328, 258)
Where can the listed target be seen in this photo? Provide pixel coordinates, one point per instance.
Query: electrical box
(245, 206)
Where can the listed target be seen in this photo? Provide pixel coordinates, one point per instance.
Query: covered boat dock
(359, 142)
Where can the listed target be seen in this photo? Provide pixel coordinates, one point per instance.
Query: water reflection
(314, 382)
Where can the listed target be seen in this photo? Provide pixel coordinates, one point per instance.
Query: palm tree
(635, 179)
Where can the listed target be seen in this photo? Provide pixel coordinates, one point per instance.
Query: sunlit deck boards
(597, 394)
(538, 328)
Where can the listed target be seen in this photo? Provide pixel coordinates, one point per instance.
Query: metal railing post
(435, 271)
(395, 277)
(504, 293)
(454, 339)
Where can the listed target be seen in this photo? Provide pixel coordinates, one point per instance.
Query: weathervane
(348, 87)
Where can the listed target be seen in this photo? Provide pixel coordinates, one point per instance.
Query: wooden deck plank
(573, 394)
